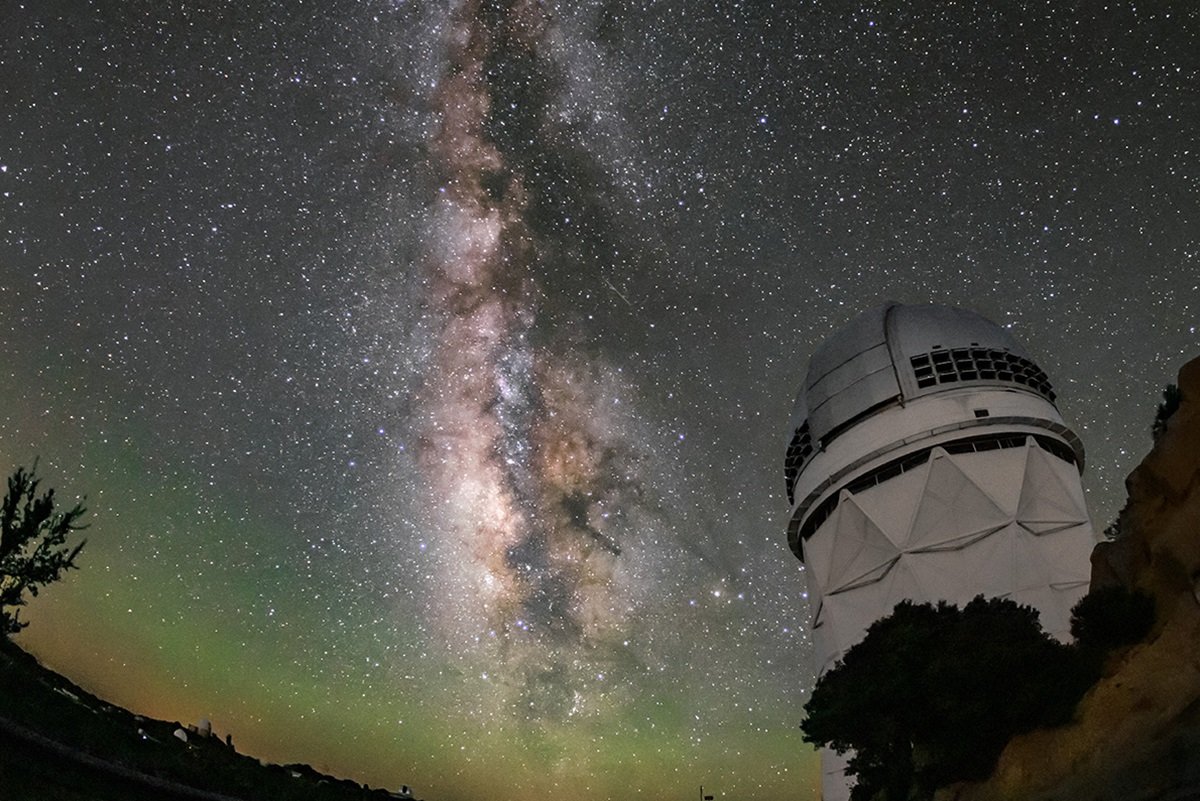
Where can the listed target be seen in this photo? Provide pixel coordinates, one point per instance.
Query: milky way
(523, 436)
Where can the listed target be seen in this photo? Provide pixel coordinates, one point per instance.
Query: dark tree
(33, 550)
(933, 693)
(1111, 617)
(866, 702)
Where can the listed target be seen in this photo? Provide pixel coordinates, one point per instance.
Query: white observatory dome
(894, 354)
(928, 462)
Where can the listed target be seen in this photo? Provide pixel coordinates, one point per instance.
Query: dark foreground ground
(60, 743)
(34, 769)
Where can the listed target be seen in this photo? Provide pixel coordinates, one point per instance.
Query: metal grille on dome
(798, 452)
(979, 364)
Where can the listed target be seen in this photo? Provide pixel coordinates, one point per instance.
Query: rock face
(1137, 732)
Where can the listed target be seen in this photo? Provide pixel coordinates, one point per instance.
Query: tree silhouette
(1109, 618)
(33, 550)
(932, 694)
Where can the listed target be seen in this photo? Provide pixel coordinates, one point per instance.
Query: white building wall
(1007, 523)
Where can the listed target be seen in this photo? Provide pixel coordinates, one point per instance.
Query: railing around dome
(896, 467)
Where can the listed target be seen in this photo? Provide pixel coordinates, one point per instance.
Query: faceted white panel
(1060, 600)
(943, 575)
(1032, 566)
(901, 582)
(870, 577)
(988, 566)
(861, 552)
(818, 554)
(962, 540)
(953, 508)
(823, 643)
(1070, 550)
(893, 503)
(1051, 496)
(1046, 527)
(834, 784)
(938, 532)
(1001, 471)
(845, 620)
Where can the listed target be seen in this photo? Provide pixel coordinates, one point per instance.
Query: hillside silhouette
(60, 743)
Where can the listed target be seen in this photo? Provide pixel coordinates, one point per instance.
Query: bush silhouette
(1111, 617)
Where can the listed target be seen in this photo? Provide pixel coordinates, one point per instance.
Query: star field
(427, 366)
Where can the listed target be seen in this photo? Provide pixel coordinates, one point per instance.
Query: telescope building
(927, 461)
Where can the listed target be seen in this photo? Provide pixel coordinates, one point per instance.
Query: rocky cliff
(1136, 736)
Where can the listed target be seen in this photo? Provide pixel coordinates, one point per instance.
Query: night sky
(426, 367)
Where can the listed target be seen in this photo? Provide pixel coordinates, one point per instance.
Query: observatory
(927, 461)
